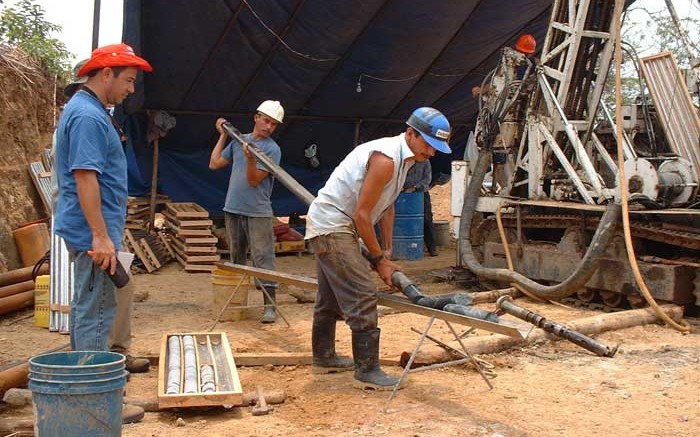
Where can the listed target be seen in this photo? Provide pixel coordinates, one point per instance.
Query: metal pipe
(278, 172)
(96, 24)
(506, 304)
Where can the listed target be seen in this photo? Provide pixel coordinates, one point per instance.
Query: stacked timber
(151, 249)
(138, 210)
(192, 240)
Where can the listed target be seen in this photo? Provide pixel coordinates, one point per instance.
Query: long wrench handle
(285, 178)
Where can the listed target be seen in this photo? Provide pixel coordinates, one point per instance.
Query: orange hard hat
(526, 44)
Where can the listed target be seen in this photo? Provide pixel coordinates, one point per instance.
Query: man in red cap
(92, 189)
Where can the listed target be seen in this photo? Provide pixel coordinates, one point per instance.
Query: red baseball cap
(114, 55)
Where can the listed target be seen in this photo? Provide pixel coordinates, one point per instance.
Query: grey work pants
(345, 288)
(256, 233)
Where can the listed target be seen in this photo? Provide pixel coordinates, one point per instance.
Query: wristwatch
(375, 260)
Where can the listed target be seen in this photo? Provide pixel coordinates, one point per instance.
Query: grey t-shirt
(242, 198)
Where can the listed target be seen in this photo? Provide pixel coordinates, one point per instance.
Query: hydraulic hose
(683, 326)
(601, 240)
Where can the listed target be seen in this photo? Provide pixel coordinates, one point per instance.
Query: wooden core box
(215, 369)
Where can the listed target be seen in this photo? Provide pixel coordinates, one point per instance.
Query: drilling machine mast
(550, 137)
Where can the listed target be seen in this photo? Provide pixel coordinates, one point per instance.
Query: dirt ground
(650, 388)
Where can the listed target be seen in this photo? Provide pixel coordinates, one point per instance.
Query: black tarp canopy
(345, 71)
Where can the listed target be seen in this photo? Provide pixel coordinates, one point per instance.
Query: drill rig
(546, 139)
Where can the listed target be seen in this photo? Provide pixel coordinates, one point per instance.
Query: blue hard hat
(433, 126)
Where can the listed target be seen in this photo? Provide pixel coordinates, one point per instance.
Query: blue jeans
(254, 232)
(93, 307)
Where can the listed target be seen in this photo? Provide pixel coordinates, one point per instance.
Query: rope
(303, 55)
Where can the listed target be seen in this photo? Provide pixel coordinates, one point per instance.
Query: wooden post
(154, 184)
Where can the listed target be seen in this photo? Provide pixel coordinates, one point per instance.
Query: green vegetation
(24, 25)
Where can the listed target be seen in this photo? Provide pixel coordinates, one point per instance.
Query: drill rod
(506, 304)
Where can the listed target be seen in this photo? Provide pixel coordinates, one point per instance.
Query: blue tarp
(216, 58)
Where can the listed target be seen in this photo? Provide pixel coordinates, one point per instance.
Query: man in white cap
(248, 209)
(359, 193)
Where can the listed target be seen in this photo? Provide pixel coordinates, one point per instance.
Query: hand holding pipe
(506, 304)
(285, 178)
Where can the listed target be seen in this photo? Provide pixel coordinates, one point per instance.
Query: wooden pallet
(192, 249)
(189, 258)
(152, 250)
(186, 210)
(188, 223)
(193, 244)
(187, 232)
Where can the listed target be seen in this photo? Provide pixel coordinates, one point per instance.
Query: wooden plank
(185, 232)
(193, 258)
(139, 201)
(200, 267)
(274, 359)
(137, 250)
(180, 232)
(187, 223)
(149, 252)
(254, 359)
(290, 246)
(202, 258)
(186, 249)
(201, 240)
(287, 278)
(166, 243)
(505, 327)
(187, 210)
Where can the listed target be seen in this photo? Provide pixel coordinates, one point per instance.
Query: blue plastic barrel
(78, 393)
(408, 227)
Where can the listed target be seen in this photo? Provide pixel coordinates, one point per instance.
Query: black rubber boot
(323, 347)
(270, 315)
(368, 374)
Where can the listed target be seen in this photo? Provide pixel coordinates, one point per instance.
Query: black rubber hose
(576, 281)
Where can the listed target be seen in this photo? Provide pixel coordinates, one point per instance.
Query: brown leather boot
(137, 365)
(132, 413)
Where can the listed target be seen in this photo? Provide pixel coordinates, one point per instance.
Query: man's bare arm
(88, 188)
(216, 161)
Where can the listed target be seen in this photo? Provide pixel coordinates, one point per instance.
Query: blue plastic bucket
(78, 393)
(408, 227)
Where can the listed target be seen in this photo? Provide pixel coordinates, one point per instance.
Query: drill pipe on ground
(506, 304)
(399, 279)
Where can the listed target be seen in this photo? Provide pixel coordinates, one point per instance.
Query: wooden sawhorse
(259, 273)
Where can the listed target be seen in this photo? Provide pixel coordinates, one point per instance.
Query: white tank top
(334, 207)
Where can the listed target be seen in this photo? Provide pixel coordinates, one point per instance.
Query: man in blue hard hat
(359, 193)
